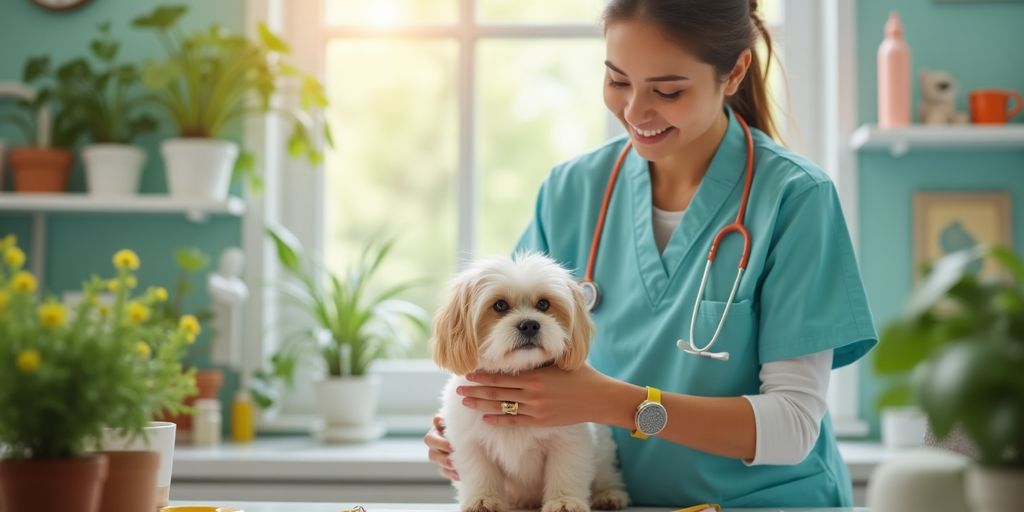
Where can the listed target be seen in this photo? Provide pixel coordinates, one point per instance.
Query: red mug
(991, 106)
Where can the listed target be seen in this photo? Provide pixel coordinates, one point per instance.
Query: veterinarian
(749, 429)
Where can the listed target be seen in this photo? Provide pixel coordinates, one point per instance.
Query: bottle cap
(894, 27)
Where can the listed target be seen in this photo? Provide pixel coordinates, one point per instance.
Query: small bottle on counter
(242, 430)
(206, 424)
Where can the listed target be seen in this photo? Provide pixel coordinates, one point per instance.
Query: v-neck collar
(726, 170)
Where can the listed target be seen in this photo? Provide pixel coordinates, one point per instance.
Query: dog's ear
(580, 333)
(454, 341)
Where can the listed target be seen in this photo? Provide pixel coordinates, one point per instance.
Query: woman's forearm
(721, 426)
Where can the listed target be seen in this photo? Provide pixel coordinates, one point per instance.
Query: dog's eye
(543, 304)
(501, 306)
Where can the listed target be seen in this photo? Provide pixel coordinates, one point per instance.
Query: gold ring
(510, 408)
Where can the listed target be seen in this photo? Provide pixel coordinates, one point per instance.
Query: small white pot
(348, 400)
(158, 437)
(199, 168)
(113, 169)
(995, 489)
(903, 427)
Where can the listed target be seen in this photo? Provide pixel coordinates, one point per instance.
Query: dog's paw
(565, 504)
(609, 499)
(485, 504)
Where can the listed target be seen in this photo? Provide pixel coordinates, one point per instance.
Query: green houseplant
(211, 80)
(67, 377)
(350, 329)
(107, 102)
(43, 164)
(961, 342)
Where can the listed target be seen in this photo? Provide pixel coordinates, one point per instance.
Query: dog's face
(511, 315)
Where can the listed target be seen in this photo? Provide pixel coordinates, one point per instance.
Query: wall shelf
(39, 205)
(194, 210)
(898, 141)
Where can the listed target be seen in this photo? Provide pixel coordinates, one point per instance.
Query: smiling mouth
(526, 345)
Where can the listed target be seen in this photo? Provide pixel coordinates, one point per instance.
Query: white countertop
(403, 507)
(399, 459)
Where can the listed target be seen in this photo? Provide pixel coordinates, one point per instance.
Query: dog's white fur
(569, 468)
(938, 98)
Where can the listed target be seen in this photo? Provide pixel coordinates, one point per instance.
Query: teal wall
(980, 45)
(79, 245)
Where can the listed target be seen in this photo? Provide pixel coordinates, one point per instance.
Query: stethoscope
(592, 294)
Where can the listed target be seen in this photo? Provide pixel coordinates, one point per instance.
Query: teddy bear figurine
(938, 99)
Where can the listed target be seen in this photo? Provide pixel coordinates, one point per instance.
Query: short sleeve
(811, 296)
(534, 237)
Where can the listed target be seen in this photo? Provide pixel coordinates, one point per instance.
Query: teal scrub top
(802, 293)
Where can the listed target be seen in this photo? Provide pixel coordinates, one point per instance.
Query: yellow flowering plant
(66, 374)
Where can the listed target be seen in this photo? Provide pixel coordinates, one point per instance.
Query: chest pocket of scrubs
(738, 337)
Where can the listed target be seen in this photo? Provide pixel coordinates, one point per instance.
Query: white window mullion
(467, 190)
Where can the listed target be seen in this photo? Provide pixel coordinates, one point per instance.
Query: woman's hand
(440, 449)
(547, 397)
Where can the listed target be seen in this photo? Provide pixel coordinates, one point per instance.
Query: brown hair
(718, 31)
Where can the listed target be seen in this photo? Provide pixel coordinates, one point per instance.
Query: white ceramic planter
(903, 427)
(113, 169)
(199, 169)
(923, 479)
(995, 489)
(158, 437)
(348, 408)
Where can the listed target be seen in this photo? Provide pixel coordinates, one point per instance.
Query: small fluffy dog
(507, 316)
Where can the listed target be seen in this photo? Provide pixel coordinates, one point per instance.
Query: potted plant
(106, 103)
(69, 375)
(351, 328)
(42, 164)
(207, 83)
(962, 340)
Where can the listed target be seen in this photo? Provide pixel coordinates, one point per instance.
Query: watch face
(651, 418)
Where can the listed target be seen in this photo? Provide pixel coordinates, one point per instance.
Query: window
(457, 110)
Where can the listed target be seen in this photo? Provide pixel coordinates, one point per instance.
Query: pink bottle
(893, 76)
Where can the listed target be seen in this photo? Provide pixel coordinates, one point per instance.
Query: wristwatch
(651, 417)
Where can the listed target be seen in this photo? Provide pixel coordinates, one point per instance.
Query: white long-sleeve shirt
(792, 402)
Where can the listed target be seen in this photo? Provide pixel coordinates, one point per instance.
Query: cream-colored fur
(569, 468)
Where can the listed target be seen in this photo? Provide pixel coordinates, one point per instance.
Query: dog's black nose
(943, 85)
(529, 328)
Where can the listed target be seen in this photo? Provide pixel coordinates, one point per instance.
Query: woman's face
(663, 95)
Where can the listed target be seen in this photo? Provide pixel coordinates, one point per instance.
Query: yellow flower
(24, 282)
(28, 361)
(8, 241)
(190, 326)
(14, 257)
(131, 282)
(160, 293)
(113, 285)
(137, 312)
(126, 259)
(142, 350)
(52, 314)
(104, 309)
(4, 299)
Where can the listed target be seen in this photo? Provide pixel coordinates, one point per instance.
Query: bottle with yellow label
(242, 429)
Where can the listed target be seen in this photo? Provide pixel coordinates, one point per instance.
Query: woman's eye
(501, 306)
(616, 84)
(669, 95)
(543, 304)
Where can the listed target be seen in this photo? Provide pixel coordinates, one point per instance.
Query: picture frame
(947, 221)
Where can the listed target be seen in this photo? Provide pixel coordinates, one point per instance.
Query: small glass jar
(206, 424)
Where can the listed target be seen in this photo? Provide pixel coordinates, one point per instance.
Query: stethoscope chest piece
(591, 295)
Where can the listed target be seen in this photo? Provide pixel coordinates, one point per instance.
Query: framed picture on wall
(946, 222)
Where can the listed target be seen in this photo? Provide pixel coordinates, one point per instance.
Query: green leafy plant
(190, 261)
(67, 375)
(208, 79)
(64, 129)
(959, 352)
(352, 328)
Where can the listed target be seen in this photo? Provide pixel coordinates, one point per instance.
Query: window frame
(821, 55)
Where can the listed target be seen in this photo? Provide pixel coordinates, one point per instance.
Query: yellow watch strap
(653, 395)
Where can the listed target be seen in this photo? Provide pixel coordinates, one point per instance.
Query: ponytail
(751, 99)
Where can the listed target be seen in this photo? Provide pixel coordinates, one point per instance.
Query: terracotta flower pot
(40, 169)
(131, 481)
(71, 485)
